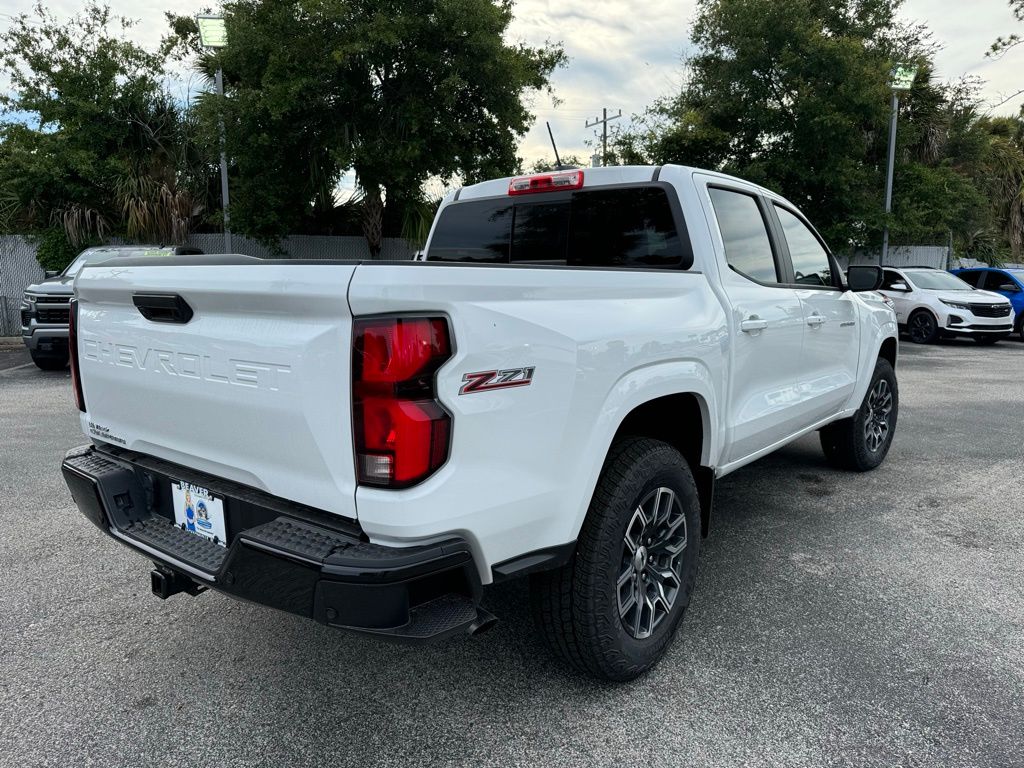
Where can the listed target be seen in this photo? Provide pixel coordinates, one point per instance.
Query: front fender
(879, 325)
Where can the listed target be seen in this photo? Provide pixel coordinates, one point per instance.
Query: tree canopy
(794, 95)
(90, 143)
(398, 91)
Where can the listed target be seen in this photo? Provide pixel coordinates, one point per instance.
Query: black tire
(50, 362)
(578, 608)
(987, 340)
(922, 327)
(1020, 325)
(847, 444)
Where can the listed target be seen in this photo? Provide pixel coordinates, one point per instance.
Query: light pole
(213, 34)
(902, 80)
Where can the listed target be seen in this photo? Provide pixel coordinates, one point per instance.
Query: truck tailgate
(254, 387)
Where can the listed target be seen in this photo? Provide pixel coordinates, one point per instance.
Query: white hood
(969, 297)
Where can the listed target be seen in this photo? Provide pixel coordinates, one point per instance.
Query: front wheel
(615, 607)
(923, 327)
(50, 362)
(861, 442)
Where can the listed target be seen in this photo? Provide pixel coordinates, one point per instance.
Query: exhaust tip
(485, 620)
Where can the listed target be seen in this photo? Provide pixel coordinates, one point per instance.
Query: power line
(603, 122)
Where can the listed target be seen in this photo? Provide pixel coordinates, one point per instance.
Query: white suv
(931, 303)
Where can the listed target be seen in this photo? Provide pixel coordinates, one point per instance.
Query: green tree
(547, 164)
(793, 94)
(89, 142)
(400, 91)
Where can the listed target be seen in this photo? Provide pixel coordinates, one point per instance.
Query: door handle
(753, 324)
(815, 320)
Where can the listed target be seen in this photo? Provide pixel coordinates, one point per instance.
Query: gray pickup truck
(44, 308)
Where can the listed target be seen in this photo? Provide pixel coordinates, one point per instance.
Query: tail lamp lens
(76, 377)
(401, 430)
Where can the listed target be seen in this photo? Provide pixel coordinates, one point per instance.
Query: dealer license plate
(198, 511)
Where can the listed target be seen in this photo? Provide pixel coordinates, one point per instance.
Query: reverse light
(76, 377)
(401, 430)
(546, 182)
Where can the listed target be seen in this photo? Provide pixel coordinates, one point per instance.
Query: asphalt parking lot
(839, 619)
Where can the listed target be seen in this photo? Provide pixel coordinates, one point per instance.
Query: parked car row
(983, 304)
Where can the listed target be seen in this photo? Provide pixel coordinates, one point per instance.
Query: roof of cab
(595, 177)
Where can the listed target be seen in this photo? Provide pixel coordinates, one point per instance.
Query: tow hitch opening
(166, 582)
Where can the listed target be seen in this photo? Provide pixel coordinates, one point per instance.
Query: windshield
(96, 255)
(937, 280)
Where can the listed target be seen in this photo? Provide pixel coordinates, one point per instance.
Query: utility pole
(888, 176)
(901, 81)
(603, 122)
(213, 35)
(225, 204)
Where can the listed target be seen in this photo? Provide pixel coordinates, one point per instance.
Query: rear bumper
(281, 554)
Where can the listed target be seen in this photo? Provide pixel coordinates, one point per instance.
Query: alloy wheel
(878, 415)
(652, 556)
(921, 327)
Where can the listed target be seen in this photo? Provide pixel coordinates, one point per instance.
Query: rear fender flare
(640, 386)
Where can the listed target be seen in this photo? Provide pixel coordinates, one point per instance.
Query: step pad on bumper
(161, 534)
(309, 542)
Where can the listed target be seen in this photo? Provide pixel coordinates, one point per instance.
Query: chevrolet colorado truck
(551, 394)
(44, 307)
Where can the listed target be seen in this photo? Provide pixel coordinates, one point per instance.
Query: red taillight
(76, 378)
(547, 182)
(401, 430)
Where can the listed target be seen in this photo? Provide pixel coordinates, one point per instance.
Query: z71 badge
(483, 381)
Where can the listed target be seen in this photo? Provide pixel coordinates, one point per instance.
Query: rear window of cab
(617, 227)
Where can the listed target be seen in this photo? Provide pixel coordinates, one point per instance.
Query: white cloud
(623, 55)
(966, 30)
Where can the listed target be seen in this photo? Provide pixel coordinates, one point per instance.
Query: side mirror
(899, 285)
(50, 273)
(863, 278)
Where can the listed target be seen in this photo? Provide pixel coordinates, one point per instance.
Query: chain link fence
(19, 268)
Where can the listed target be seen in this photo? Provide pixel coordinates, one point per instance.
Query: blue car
(1008, 282)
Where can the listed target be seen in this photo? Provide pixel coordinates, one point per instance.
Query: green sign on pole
(213, 32)
(903, 77)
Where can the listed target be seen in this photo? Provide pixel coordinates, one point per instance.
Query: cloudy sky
(622, 59)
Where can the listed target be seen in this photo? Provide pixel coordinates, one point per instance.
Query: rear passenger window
(748, 249)
(477, 231)
(974, 278)
(811, 265)
(626, 227)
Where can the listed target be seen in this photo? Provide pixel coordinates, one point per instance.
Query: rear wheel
(922, 327)
(861, 442)
(50, 362)
(615, 607)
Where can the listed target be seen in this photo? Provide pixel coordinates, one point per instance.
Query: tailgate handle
(163, 307)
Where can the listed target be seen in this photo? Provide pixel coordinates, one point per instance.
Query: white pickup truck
(552, 393)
